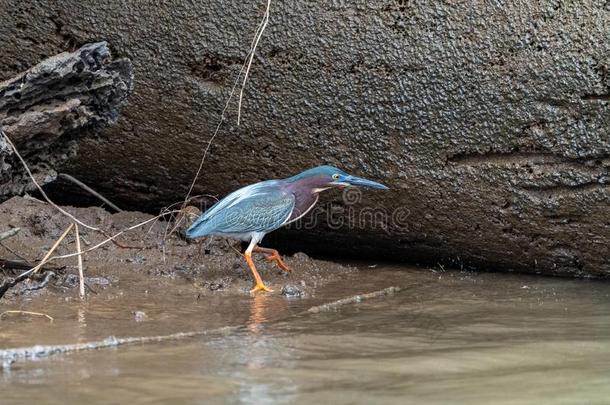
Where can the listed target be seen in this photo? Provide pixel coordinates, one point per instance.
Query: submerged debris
(9, 356)
(354, 299)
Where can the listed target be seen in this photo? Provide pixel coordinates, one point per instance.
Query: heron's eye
(336, 176)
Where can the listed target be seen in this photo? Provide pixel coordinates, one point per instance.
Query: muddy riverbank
(144, 259)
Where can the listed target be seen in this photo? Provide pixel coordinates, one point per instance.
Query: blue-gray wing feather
(261, 213)
(260, 207)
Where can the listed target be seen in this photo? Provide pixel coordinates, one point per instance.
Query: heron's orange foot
(260, 287)
(278, 260)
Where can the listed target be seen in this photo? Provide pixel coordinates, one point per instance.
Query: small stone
(140, 316)
(70, 281)
(137, 259)
(300, 256)
(101, 281)
(181, 268)
(216, 286)
(292, 291)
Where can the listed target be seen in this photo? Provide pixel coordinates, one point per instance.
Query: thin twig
(111, 238)
(28, 197)
(81, 278)
(90, 191)
(13, 252)
(46, 197)
(257, 37)
(246, 66)
(50, 318)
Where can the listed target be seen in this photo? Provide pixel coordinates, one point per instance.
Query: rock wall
(490, 122)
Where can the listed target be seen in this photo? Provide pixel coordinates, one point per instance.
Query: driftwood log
(45, 109)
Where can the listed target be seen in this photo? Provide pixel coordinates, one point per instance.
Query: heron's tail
(197, 230)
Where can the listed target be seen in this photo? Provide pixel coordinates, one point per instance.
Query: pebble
(292, 291)
(140, 316)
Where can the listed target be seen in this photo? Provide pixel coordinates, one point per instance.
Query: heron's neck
(306, 192)
(311, 185)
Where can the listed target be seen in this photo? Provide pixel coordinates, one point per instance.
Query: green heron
(253, 211)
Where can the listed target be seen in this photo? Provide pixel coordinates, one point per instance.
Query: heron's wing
(232, 199)
(263, 212)
(255, 208)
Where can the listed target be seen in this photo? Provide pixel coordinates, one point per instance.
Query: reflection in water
(257, 347)
(464, 338)
(81, 314)
(258, 308)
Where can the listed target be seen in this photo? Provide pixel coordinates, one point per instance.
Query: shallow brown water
(447, 337)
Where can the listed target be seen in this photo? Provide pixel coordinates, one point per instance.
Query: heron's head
(324, 177)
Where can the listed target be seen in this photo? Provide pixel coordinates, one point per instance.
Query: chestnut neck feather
(305, 197)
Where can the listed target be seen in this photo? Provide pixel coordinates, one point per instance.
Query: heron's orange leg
(272, 255)
(260, 286)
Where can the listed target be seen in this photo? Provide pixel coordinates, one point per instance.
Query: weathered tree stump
(46, 108)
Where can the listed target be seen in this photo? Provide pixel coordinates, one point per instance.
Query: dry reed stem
(257, 39)
(81, 278)
(90, 191)
(50, 318)
(50, 252)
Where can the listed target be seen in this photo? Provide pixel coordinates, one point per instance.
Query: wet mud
(152, 285)
(147, 258)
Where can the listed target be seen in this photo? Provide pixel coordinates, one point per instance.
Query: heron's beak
(358, 181)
